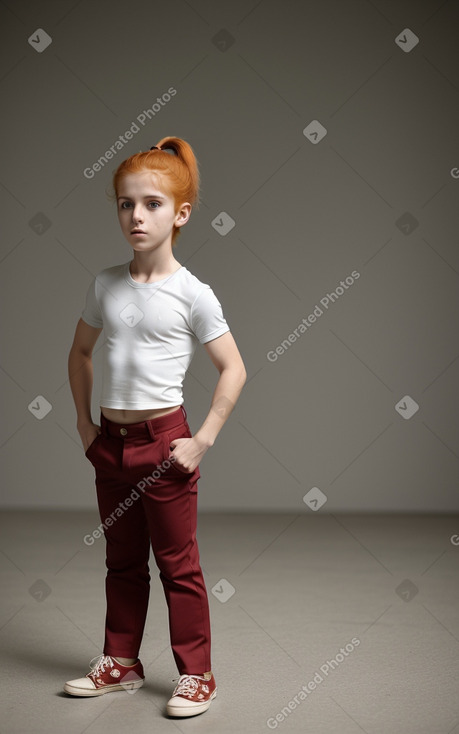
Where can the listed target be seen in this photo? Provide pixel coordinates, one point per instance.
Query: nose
(137, 214)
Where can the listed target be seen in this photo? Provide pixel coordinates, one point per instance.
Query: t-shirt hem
(137, 406)
(215, 334)
(94, 326)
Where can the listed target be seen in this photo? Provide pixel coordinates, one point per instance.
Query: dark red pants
(143, 498)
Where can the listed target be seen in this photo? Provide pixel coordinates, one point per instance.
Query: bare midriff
(135, 416)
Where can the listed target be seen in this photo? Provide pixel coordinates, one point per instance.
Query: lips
(138, 231)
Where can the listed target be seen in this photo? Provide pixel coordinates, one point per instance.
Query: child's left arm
(225, 355)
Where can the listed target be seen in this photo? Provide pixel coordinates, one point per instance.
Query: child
(153, 311)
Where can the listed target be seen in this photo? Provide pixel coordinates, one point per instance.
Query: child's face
(143, 205)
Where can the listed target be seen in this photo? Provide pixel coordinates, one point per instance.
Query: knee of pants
(127, 557)
(178, 568)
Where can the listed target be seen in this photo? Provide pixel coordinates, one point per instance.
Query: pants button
(123, 431)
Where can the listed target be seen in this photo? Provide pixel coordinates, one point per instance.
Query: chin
(144, 248)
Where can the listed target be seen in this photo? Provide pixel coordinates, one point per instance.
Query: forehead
(142, 184)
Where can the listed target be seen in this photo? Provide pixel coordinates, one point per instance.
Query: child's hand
(187, 452)
(88, 433)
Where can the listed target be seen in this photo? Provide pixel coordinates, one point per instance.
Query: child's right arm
(81, 379)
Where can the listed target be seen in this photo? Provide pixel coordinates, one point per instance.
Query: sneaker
(105, 670)
(193, 695)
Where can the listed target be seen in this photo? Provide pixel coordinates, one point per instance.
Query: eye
(125, 204)
(154, 202)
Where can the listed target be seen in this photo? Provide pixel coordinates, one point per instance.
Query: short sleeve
(91, 312)
(207, 320)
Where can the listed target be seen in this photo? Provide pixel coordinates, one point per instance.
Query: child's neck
(146, 267)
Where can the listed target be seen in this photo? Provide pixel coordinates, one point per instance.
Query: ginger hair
(178, 174)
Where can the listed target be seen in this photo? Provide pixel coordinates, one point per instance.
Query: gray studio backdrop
(326, 134)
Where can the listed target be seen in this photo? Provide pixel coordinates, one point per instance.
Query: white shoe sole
(128, 686)
(192, 710)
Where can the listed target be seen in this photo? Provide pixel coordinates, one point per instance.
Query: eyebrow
(148, 196)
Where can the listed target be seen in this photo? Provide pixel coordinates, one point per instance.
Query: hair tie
(172, 151)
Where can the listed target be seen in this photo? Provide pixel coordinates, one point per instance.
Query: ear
(183, 214)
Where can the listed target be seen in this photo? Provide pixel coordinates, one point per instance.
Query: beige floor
(305, 586)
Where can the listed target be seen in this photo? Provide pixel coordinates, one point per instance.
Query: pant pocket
(182, 431)
(89, 451)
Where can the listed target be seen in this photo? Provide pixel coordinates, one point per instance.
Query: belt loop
(150, 430)
(184, 412)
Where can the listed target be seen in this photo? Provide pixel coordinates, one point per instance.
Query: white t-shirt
(151, 333)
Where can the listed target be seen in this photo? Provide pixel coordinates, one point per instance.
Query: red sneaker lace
(187, 685)
(99, 663)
